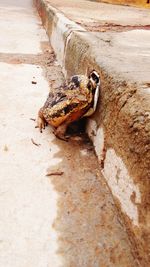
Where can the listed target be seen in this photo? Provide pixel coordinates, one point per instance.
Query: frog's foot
(60, 132)
(41, 123)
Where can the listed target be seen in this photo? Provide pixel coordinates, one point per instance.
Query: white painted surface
(99, 143)
(121, 184)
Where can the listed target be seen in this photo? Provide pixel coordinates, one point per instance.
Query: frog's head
(94, 79)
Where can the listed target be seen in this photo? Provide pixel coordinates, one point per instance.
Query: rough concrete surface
(55, 207)
(118, 48)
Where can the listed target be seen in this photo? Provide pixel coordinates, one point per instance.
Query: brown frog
(74, 100)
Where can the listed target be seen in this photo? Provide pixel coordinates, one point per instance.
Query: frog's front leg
(61, 130)
(41, 122)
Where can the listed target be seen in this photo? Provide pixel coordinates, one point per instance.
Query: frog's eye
(95, 76)
(75, 80)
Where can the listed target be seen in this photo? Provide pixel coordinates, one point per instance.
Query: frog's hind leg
(61, 130)
(41, 122)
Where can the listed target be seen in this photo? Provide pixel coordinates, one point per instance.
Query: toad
(72, 101)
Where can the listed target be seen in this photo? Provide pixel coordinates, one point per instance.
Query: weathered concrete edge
(54, 19)
(63, 33)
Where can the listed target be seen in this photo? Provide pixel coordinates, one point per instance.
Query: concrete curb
(120, 127)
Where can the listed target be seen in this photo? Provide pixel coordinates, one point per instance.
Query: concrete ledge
(120, 128)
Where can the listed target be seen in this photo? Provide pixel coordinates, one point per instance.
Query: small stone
(34, 82)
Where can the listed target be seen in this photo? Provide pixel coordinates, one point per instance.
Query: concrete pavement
(28, 202)
(93, 13)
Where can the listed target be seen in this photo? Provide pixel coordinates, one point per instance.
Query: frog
(72, 101)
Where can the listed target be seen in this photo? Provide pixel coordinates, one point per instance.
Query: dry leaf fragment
(54, 173)
(34, 143)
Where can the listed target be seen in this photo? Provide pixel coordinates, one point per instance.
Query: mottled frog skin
(69, 103)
